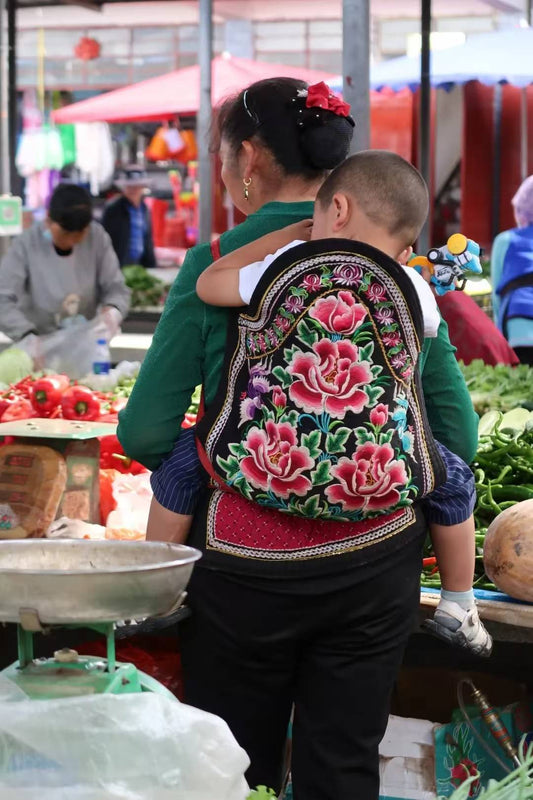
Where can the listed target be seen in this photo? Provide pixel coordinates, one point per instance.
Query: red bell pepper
(16, 408)
(23, 387)
(78, 402)
(112, 456)
(46, 393)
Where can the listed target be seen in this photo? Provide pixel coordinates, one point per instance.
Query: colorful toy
(448, 264)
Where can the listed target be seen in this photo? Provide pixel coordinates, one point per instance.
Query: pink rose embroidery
(339, 313)
(330, 379)
(312, 283)
(379, 415)
(279, 398)
(348, 275)
(369, 480)
(377, 293)
(276, 462)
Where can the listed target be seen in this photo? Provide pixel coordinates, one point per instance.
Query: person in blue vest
(127, 220)
(512, 276)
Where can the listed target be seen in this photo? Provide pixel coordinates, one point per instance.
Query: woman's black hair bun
(325, 137)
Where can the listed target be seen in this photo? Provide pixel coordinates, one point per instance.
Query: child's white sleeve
(250, 275)
(430, 310)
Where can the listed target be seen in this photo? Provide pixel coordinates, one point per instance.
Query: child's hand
(299, 230)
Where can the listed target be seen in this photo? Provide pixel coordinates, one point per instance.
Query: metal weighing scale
(47, 584)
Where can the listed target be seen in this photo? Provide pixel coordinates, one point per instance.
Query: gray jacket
(41, 291)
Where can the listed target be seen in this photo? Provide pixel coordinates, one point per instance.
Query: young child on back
(378, 198)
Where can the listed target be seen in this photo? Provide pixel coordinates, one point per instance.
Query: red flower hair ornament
(319, 95)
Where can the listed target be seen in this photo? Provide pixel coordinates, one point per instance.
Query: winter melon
(508, 551)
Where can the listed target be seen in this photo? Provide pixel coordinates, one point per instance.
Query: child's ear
(342, 211)
(405, 255)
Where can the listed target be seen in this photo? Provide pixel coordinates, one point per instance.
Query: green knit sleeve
(451, 414)
(172, 368)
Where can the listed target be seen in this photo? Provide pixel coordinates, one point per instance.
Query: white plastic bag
(132, 746)
(133, 495)
(71, 350)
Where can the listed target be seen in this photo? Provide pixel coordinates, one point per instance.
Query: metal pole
(356, 67)
(4, 122)
(205, 166)
(15, 182)
(496, 159)
(424, 140)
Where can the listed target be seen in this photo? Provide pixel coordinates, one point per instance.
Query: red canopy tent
(178, 92)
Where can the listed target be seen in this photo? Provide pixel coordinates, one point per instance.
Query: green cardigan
(188, 350)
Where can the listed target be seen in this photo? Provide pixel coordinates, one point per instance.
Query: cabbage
(15, 364)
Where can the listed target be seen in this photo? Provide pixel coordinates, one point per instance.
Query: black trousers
(525, 355)
(249, 654)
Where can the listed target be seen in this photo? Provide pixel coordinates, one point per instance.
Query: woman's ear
(341, 211)
(248, 159)
(405, 255)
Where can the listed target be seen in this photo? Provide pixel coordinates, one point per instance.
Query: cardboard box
(406, 760)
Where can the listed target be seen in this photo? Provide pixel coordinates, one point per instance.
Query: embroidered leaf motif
(238, 450)
(365, 283)
(373, 393)
(335, 441)
(386, 438)
(291, 417)
(306, 334)
(365, 353)
(289, 353)
(311, 507)
(312, 442)
(241, 484)
(363, 435)
(322, 473)
(397, 349)
(298, 291)
(230, 467)
(283, 376)
(390, 327)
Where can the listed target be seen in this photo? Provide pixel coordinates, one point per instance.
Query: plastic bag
(129, 747)
(133, 495)
(70, 350)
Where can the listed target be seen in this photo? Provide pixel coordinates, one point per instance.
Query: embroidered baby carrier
(319, 412)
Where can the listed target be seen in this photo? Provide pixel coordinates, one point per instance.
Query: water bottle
(102, 358)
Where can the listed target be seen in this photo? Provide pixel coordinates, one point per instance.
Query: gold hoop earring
(246, 182)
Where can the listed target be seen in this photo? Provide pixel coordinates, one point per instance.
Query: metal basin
(91, 581)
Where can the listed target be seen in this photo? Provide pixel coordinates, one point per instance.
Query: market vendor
(323, 628)
(127, 220)
(62, 271)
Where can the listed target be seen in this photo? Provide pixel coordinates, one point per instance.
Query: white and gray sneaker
(460, 627)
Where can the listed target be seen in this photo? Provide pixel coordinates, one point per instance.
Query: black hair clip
(253, 116)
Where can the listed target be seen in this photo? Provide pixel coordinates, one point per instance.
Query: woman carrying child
(325, 634)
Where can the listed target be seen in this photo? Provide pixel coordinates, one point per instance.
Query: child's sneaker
(460, 627)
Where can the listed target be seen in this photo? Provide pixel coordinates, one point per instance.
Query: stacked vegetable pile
(503, 470)
(147, 291)
(499, 388)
